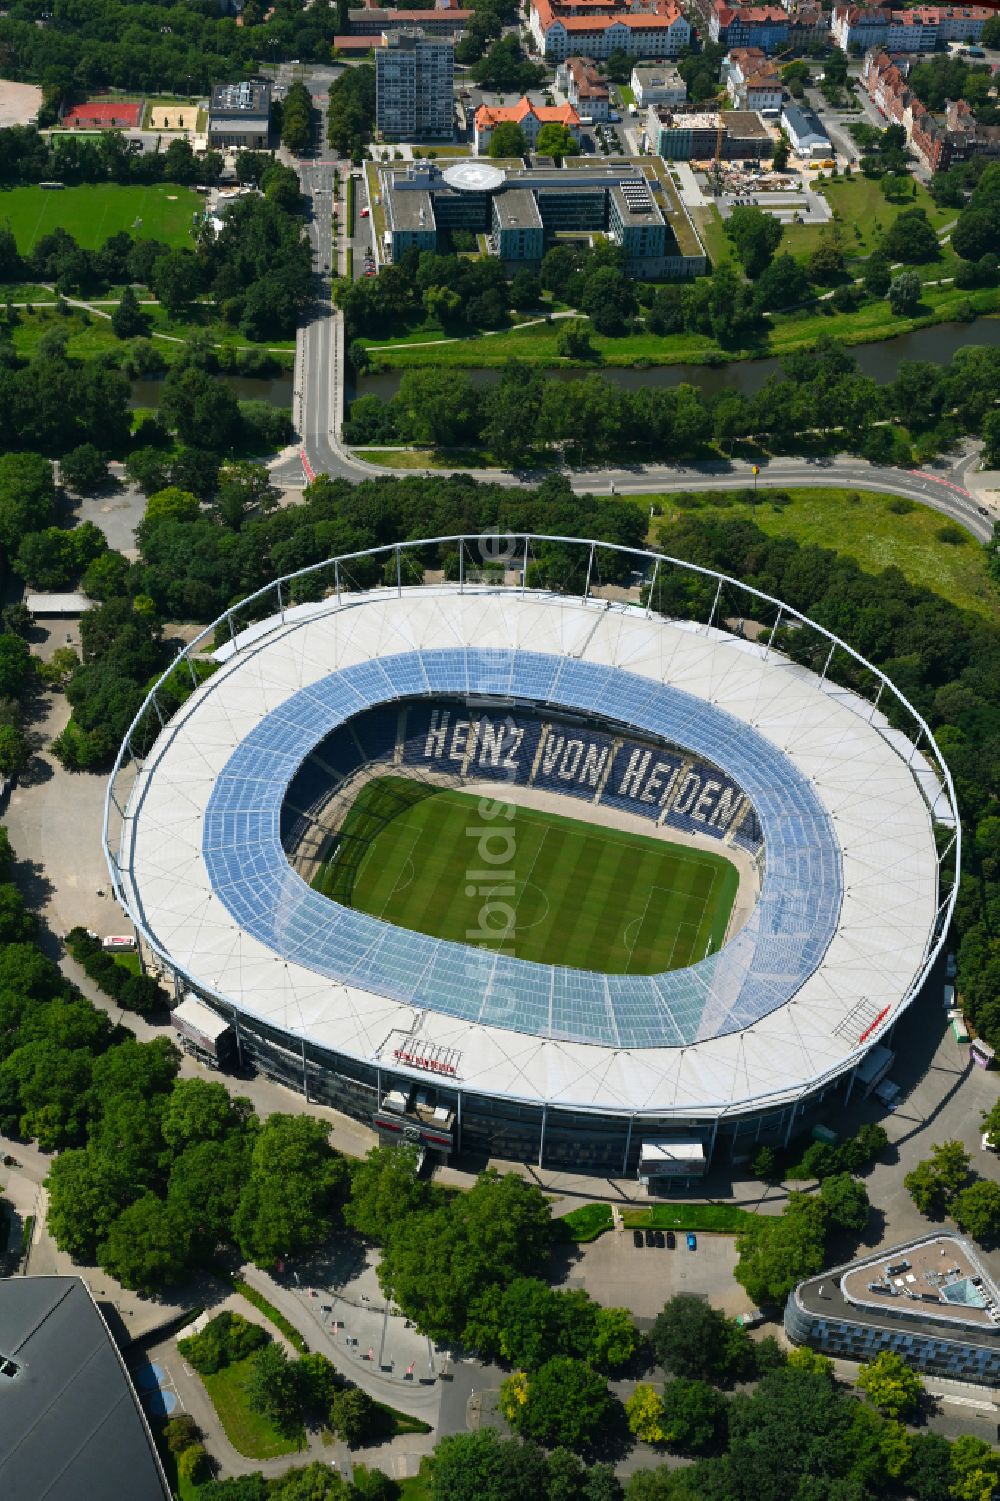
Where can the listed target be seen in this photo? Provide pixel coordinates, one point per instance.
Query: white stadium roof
(877, 807)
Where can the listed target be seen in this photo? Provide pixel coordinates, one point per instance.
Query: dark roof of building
(803, 121)
(71, 1427)
(240, 101)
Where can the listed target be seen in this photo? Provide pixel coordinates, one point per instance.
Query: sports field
(537, 885)
(93, 212)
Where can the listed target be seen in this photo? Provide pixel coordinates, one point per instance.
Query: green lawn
(91, 213)
(536, 344)
(868, 530)
(592, 1220)
(418, 1487)
(723, 1219)
(591, 897)
(247, 1431)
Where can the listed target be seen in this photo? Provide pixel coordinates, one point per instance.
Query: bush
(192, 1463)
(227, 1338)
(181, 1432)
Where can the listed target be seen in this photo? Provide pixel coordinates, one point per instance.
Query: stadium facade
(838, 808)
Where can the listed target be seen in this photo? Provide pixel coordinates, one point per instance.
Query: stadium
(498, 858)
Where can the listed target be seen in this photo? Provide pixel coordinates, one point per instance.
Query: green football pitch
(93, 212)
(542, 887)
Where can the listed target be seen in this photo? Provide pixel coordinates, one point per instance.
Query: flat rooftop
(637, 206)
(516, 209)
(239, 101)
(941, 1301)
(939, 1279)
(413, 210)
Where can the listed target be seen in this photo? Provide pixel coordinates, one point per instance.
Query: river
(276, 390)
(936, 344)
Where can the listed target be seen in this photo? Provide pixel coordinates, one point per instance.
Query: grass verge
(400, 1422)
(878, 531)
(586, 1223)
(722, 1219)
(248, 1432)
(269, 1311)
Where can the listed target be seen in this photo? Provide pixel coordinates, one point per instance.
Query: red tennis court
(123, 112)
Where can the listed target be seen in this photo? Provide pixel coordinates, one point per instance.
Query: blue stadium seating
(781, 944)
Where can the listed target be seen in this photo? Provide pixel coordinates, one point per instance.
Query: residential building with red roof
(752, 80)
(918, 29)
(763, 26)
(584, 87)
(646, 28)
(530, 117)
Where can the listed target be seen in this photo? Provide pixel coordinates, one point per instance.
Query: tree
(765, 1166)
(84, 469)
(975, 1469)
(15, 752)
(436, 406)
(877, 275)
(27, 497)
(177, 280)
(147, 1247)
(781, 284)
(644, 1411)
(781, 1250)
(991, 440)
(272, 1389)
(557, 141)
(755, 236)
(296, 1183)
(976, 1210)
(355, 1417)
(904, 293)
(991, 1117)
(933, 1183)
(846, 1201)
(507, 140)
(485, 1466)
(693, 1415)
(128, 321)
(891, 1385)
(87, 1193)
(197, 1110)
(573, 341)
(499, 1230)
(911, 238)
(192, 1464)
(928, 1474)
(564, 1402)
(690, 1338)
(826, 264)
(780, 154)
(181, 1431)
(385, 1187)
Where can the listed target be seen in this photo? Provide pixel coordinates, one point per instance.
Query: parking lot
(616, 1273)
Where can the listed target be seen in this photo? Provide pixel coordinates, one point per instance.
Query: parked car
(671, 1240)
(637, 1239)
(365, 212)
(650, 1238)
(692, 1241)
(660, 1240)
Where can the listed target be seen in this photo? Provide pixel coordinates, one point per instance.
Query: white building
(558, 34)
(752, 80)
(414, 86)
(805, 131)
(658, 86)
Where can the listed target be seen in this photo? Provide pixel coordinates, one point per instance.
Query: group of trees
(943, 1184)
(116, 44)
(257, 268)
(297, 116)
(821, 394)
(155, 1174)
(780, 1250)
(350, 118)
(27, 157)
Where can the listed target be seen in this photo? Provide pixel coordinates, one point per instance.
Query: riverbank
(536, 343)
